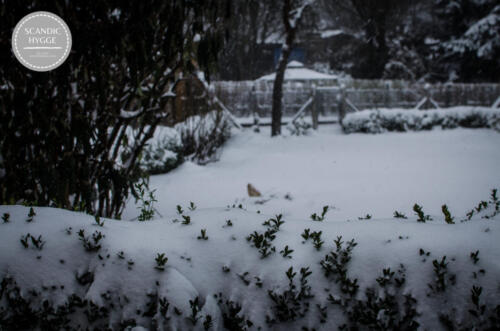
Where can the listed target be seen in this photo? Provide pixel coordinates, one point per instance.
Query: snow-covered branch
(296, 14)
(131, 114)
(482, 37)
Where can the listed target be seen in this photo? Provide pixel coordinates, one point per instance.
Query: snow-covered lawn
(357, 174)
(115, 281)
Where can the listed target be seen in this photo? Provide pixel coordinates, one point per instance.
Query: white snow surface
(355, 174)
(194, 267)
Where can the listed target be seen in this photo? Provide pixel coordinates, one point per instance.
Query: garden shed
(296, 71)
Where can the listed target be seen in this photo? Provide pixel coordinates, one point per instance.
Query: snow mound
(249, 270)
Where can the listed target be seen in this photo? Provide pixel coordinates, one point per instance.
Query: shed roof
(295, 70)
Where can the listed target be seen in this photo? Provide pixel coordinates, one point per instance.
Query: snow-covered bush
(197, 139)
(202, 135)
(163, 153)
(382, 120)
(299, 127)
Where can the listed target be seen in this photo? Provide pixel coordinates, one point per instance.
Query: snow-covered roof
(295, 64)
(295, 70)
(331, 33)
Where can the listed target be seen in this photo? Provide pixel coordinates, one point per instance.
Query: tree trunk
(278, 93)
(286, 49)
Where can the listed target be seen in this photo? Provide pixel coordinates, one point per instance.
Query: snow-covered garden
(250, 165)
(388, 231)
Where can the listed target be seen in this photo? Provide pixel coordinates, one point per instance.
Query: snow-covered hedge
(382, 120)
(197, 139)
(232, 269)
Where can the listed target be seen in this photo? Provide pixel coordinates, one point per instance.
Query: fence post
(254, 109)
(319, 103)
(387, 93)
(427, 93)
(341, 102)
(448, 95)
(314, 110)
(427, 98)
(253, 100)
(256, 122)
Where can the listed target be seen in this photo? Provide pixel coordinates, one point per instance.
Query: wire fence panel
(244, 98)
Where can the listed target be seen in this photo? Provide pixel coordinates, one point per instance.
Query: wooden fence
(244, 98)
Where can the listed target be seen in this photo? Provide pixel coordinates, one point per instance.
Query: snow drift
(247, 270)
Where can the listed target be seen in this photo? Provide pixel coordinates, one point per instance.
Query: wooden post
(448, 95)
(314, 110)
(253, 106)
(319, 103)
(388, 97)
(341, 102)
(427, 98)
(427, 93)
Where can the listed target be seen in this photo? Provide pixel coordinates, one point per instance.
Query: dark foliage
(62, 133)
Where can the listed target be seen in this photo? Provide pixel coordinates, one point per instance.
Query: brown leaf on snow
(252, 191)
